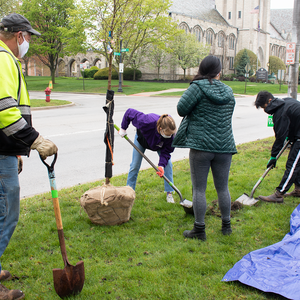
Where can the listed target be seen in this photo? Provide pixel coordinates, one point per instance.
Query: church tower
(252, 18)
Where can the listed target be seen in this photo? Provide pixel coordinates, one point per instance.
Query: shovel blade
(187, 206)
(70, 280)
(246, 200)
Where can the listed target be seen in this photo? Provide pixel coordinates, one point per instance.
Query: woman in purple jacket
(156, 133)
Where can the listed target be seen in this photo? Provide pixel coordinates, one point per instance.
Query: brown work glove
(44, 147)
(20, 164)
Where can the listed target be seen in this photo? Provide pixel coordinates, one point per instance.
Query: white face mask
(165, 136)
(23, 48)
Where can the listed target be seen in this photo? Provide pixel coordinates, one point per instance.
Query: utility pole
(294, 69)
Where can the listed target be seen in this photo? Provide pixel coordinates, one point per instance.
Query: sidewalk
(148, 94)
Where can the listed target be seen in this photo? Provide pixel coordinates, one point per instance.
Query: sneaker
(170, 198)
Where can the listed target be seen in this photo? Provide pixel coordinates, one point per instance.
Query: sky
(276, 4)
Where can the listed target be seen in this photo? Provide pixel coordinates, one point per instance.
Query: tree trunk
(184, 70)
(53, 76)
(109, 71)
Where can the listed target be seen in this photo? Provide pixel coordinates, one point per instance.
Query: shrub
(89, 73)
(128, 74)
(252, 78)
(103, 74)
(275, 64)
(241, 60)
(228, 77)
(241, 78)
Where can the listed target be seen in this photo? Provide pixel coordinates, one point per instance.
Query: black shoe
(226, 228)
(198, 232)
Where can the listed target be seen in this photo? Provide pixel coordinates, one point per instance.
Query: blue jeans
(9, 199)
(136, 164)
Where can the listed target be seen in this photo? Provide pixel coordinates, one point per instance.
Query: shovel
(245, 199)
(187, 205)
(70, 280)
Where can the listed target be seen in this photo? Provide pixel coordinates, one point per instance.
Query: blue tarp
(275, 268)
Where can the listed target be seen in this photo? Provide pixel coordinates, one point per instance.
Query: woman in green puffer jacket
(207, 107)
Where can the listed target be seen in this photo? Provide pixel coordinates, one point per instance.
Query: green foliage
(103, 74)
(275, 64)
(148, 257)
(239, 62)
(61, 28)
(89, 73)
(243, 61)
(8, 7)
(158, 58)
(137, 22)
(130, 73)
(188, 52)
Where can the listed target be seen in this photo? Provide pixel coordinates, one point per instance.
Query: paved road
(78, 131)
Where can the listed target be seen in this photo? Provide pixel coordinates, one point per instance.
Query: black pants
(292, 169)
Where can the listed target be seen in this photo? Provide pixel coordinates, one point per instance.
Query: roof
(282, 19)
(200, 9)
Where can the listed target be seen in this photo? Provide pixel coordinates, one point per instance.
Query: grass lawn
(43, 103)
(148, 257)
(75, 85)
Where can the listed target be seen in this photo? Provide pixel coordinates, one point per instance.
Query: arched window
(231, 41)
(221, 39)
(185, 27)
(209, 37)
(198, 33)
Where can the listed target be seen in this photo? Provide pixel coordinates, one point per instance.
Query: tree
(137, 22)
(7, 7)
(241, 64)
(138, 59)
(158, 58)
(188, 51)
(275, 64)
(252, 60)
(61, 28)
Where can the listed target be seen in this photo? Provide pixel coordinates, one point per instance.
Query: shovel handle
(151, 163)
(268, 169)
(54, 192)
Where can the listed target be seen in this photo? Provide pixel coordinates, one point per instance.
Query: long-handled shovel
(187, 205)
(70, 280)
(245, 199)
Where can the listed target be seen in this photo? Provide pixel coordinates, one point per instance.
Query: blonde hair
(166, 122)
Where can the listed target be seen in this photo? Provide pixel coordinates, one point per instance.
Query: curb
(51, 107)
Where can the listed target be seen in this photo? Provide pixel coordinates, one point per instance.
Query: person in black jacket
(286, 119)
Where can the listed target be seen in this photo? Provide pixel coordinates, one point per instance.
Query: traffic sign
(117, 53)
(125, 50)
(290, 53)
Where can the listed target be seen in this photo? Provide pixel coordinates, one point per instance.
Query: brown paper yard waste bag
(107, 204)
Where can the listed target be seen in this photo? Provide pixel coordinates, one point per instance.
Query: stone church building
(233, 25)
(227, 25)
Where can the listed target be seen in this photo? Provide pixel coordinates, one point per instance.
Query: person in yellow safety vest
(17, 136)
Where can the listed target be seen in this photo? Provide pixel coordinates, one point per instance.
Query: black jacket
(286, 119)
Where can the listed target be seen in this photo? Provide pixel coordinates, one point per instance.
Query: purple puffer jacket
(146, 123)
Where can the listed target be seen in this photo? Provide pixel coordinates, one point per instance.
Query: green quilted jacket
(207, 110)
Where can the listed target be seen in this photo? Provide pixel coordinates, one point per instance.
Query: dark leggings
(200, 163)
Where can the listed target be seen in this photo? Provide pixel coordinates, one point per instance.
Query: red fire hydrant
(48, 92)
